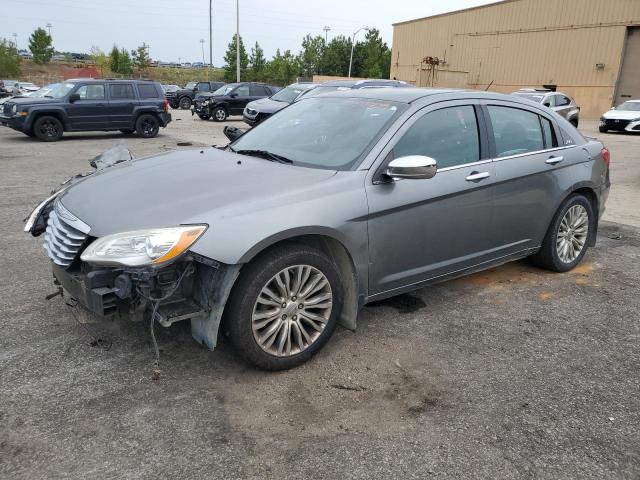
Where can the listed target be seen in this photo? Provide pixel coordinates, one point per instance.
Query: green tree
(101, 59)
(41, 46)
(257, 64)
(283, 68)
(310, 58)
(375, 56)
(335, 57)
(120, 61)
(141, 58)
(9, 59)
(230, 59)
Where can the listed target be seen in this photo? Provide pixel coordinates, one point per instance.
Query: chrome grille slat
(62, 242)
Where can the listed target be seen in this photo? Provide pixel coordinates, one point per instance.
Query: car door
(424, 229)
(89, 112)
(122, 105)
(532, 174)
(238, 99)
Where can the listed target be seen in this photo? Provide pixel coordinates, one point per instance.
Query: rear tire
(48, 129)
(147, 125)
(185, 103)
(568, 238)
(251, 314)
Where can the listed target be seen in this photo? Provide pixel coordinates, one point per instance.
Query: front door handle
(554, 160)
(99, 104)
(476, 176)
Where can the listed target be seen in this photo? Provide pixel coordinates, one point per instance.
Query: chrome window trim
(527, 154)
(465, 165)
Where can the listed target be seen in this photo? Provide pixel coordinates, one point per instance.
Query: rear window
(515, 131)
(147, 90)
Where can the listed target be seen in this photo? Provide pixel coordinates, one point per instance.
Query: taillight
(606, 156)
(166, 105)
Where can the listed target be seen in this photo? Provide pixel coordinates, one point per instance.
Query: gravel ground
(510, 373)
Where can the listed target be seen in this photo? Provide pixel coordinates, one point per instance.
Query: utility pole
(237, 40)
(15, 40)
(202, 45)
(48, 25)
(210, 42)
(353, 44)
(326, 29)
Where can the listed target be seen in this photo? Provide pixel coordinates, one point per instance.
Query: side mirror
(74, 97)
(415, 167)
(233, 95)
(547, 104)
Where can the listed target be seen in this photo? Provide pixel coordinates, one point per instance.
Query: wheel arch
(587, 190)
(35, 114)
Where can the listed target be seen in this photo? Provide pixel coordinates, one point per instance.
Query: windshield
(328, 133)
(44, 90)
(60, 90)
(321, 89)
(531, 96)
(190, 86)
(629, 107)
(288, 95)
(225, 89)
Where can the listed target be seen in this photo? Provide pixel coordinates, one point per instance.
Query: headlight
(14, 109)
(142, 247)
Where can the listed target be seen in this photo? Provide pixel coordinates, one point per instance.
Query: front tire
(185, 103)
(220, 114)
(569, 235)
(147, 125)
(603, 129)
(284, 307)
(48, 129)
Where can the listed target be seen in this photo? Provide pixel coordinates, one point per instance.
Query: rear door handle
(554, 160)
(474, 177)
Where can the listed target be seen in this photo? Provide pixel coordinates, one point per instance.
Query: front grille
(61, 241)
(619, 124)
(7, 109)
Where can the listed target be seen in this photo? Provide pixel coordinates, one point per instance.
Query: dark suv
(230, 100)
(85, 105)
(183, 98)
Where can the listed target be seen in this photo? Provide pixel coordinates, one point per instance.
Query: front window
(629, 107)
(287, 95)
(60, 90)
(91, 92)
(327, 133)
(225, 89)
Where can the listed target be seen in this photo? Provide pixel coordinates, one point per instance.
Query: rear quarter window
(147, 90)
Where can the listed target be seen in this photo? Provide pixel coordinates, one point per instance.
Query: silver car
(334, 202)
(559, 102)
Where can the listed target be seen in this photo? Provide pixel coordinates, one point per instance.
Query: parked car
(230, 100)
(23, 88)
(259, 110)
(559, 102)
(183, 98)
(7, 87)
(333, 203)
(624, 118)
(170, 88)
(90, 105)
(338, 85)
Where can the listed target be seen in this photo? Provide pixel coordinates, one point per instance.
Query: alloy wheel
(220, 115)
(49, 128)
(292, 310)
(572, 234)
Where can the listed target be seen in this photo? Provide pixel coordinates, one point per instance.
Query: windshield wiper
(274, 157)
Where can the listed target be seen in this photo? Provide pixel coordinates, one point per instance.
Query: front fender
(36, 111)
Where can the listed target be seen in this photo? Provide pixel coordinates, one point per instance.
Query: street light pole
(210, 42)
(48, 25)
(353, 44)
(237, 40)
(15, 40)
(202, 45)
(326, 29)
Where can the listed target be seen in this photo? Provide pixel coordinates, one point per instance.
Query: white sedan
(624, 118)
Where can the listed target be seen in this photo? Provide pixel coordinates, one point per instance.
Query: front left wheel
(48, 129)
(284, 307)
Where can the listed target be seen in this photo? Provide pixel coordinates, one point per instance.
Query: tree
(257, 63)
(375, 56)
(310, 57)
(335, 57)
(101, 59)
(9, 59)
(283, 68)
(41, 46)
(230, 59)
(141, 58)
(120, 61)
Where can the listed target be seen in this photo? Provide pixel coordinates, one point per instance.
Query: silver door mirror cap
(414, 167)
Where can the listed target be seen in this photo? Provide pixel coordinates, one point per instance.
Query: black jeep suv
(230, 99)
(85, 105)
(183, 98)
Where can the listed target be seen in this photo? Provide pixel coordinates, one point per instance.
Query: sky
(173, 28)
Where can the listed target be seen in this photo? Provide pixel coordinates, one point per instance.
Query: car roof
(116, 80)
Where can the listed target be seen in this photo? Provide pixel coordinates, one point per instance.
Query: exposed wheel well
(339, 254)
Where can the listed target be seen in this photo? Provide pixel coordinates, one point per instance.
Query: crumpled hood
(621, 115)
(183, 187)
(266, 105)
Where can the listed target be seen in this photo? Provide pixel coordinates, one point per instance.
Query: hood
(621, 115)
(266, 105)
(181, 187)
(34, 100)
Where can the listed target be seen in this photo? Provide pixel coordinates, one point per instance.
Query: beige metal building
(589, 49)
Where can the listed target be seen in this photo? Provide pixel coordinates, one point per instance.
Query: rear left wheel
(284, 307)
(185, 103)
(147, 125)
